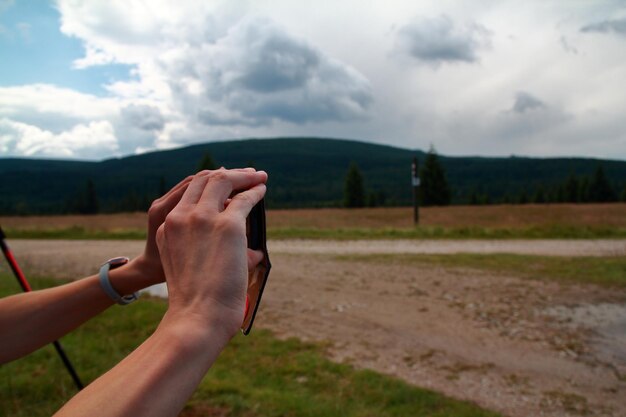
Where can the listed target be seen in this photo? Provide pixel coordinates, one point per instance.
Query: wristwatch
(106, 284)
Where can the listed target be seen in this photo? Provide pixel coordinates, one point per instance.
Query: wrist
(145, 271)
(129, 278)
(196, 330)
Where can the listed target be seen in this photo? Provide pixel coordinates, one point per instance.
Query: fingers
(222, 183)
(200, 181)
(195, 188)
(243, 202)
(254, 258)
(171, 199)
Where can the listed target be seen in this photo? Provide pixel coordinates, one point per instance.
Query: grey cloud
(525, 102)
(142, 117)
(138, 125)
(567, 46)
(606, 26)
(439, 40)
(258, 74)
(277, 62)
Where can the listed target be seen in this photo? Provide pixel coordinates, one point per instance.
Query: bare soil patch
(523, 347)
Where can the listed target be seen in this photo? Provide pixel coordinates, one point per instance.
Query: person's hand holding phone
(203, 249)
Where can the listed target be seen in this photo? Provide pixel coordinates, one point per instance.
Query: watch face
(116, 262)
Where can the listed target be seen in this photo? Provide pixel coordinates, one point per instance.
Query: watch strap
(105, 283)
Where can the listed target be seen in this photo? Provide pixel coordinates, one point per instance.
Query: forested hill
(304, 172)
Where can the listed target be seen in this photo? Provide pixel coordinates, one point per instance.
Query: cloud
(54, 108)
(525, 102)
(607, 26)
(211, 65)
(567, 46)
(439, 40)
(90, 140)
(143, 117)
(258, 74)
(34, 113)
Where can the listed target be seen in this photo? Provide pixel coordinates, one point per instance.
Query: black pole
(415, 182)
(21, 279)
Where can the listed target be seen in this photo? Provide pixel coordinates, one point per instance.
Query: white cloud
(92, 140)
(56, 101)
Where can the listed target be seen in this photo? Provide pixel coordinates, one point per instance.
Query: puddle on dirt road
(607, 322)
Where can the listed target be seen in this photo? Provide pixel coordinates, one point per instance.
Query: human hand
(202, 244)
(148, 265)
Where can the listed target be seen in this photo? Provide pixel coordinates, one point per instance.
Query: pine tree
(372, 199)
(600, 190)
(434, 188)
(623, 196)
(540, 196)
(571, 189)
(354, 194)
(131, 202)
(583, 190)
(162, 186)
(523, 197)
(206, 162)
(560, 194)
(473, 198)
(91, 198)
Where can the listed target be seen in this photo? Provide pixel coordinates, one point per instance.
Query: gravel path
(599, 247)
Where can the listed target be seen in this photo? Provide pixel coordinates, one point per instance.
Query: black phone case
(257, 240)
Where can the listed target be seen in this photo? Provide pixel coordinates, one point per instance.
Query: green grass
(257, 375)
(605, 271)
(76, 233)
(426, 232)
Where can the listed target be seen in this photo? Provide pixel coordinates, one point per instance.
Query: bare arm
(31, 320)
(202, 245)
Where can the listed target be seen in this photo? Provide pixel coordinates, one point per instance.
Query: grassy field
(569, 221)
(605, 271)
(257, 375)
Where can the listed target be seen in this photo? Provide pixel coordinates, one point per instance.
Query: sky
(100, 79)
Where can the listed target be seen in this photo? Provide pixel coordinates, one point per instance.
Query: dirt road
(66, 258)
(522, 347)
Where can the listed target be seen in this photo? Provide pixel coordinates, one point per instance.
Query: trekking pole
(26, 288)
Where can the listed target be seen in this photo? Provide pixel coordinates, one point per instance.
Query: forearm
(158, 377)
(31, 320)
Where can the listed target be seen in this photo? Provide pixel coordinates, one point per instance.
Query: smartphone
(257, 278)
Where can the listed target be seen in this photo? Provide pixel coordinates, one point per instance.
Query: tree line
(595, 188)
(435, 190)
(86, 201)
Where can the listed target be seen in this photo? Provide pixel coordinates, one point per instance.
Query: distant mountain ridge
(304, 172)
